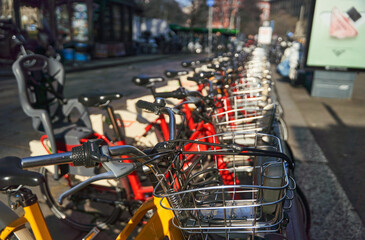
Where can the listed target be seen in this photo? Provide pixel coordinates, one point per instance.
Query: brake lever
(78, 187)
(115, 170)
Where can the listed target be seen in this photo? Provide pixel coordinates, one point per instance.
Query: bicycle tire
(305, 208)
(284, 129)
(67, 215)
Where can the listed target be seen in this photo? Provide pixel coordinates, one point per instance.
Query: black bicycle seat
(144, 80)
(12, 174)
(174, 73)
(98, 99)
(188, 64)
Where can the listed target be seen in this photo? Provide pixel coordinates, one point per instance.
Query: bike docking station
(331, 84)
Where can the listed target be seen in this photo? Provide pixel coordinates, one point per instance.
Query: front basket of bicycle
(227, 188)
(237, 114)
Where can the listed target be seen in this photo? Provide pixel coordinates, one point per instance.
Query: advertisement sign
(336, 40)
(264, 36)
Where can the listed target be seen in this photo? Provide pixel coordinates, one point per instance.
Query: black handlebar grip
(193, 79)
(165, 95)
(88, 154)
(78, 156)
(148, 106)
(179, 94)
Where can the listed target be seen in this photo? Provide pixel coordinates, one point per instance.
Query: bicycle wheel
(95, 205)
(305, 209)
(283, 129)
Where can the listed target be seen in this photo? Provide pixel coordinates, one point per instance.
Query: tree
(284, 22)
(168, 10)
(249, 14)
(198, 16)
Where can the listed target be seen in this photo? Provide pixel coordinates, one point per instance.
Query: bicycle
(184, 194)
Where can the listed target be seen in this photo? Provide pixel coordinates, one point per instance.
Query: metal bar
(45, 160)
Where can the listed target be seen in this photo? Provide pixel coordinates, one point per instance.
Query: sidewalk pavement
(327, 139)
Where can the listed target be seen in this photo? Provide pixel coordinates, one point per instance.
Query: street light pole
(210, 37)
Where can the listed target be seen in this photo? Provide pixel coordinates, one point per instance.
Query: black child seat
(40, 86)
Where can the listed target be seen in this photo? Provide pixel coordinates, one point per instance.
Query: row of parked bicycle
(220, 167)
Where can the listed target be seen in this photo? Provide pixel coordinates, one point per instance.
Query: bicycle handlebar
(46, 160)
(158, 107)
(174, 94)
(179, 93)
(88, 154)
(152, 107)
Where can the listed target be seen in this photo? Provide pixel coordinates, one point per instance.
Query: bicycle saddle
(12, 174)
(187, 64)
(144, 80)
(174, 73)
(199, 77)
(98, 99)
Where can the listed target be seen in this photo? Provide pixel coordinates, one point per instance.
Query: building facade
(93, 28)
(224, 13)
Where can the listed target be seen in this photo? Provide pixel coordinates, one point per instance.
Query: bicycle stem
(172, 122)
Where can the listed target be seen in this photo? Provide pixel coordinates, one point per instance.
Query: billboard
(336, 36)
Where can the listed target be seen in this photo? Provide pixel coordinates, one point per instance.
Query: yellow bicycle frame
(34, 216)
(159, 226)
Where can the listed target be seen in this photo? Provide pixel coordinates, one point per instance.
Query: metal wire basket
(252, 88)
(238, 113)
(228, 190)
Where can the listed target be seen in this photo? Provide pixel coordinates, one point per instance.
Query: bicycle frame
(164, 128)
(159, 226)
(34, 216)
